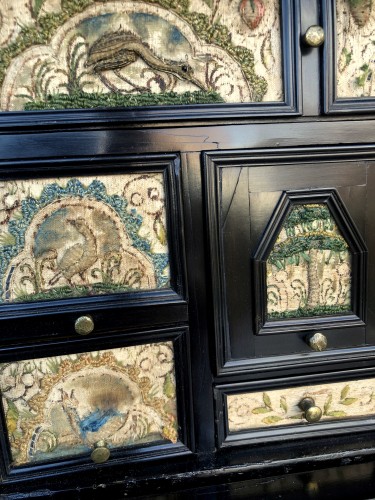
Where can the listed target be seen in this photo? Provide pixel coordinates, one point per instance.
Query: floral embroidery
(73, 237)
(355, 22)
(62, 406)
(95, 53)
(309, 266)
(281, 407)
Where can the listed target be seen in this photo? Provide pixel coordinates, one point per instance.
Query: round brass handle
(312, 413)
(317, 342)
(100, 453)
(84, 325)
(314, 36)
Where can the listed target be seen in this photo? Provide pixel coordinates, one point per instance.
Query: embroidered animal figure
(79, 257)
(120, 49)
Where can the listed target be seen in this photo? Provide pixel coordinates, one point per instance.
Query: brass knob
(84, 325)
(314, 36)
(317, 342)
(312, 413)
(100, 453)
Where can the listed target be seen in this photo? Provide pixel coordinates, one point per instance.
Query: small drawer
(292, 411)
(92, 406)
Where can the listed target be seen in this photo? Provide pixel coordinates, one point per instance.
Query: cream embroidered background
(87, 236)
(280, 407)
(309, 266)
(355, 48)
(61, 406)
(58, 54)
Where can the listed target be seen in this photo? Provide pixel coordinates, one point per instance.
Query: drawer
(118, 403)
(100, 239)
(294, 410)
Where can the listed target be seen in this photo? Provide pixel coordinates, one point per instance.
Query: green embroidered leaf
(12, 412)
(160, 232)
(267, 400)
(271, 420)
(37, 6)
(336, 414)
(327, 404)
(279, 264)
(209, 3)
(7, 239)
(260, 409)
(169, 387)
(297, 417)
(306, 257)
(345, 392)
(283, 403)
(348, 401)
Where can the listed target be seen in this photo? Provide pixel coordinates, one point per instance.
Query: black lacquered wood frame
(357, 250)
(172, 299)
(235, 287)
(289, 106)
(119, 457)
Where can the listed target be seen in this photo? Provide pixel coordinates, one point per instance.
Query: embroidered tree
(307, 233)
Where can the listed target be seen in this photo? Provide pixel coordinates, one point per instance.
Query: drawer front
(71, 405)
(260, 410)
(246, 413)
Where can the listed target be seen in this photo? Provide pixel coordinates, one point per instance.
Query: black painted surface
(216, 223)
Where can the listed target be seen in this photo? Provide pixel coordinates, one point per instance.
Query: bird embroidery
(120, 49)
(79, 257)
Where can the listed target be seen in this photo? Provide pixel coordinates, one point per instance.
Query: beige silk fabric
(64, 65)
(275, 408)
(71, 237)
(355, 49)
(62, 406)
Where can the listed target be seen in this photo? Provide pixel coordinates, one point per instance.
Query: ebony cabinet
(186, 248)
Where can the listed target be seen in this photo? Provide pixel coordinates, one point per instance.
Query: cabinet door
(290, 239)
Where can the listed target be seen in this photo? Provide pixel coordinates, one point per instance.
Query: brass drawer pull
(100, 453)
(312, 413)
(317, 342)
(314, 36)
(84, 325)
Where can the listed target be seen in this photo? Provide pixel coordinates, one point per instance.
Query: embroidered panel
(62, 406)
(92, 53)
(355, 48)
(280, 407)
(309, 266)
(62, 238)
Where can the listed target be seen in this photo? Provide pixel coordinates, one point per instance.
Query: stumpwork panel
(355, 32)
(62, 406)
(309, 266)
(82, 236)
(90, 53)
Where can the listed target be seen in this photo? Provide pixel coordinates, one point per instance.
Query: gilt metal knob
(314, 36)
(317, 342)
(312, 413)
(84, 325)
(100, 453)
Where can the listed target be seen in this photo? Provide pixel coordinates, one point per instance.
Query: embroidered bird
(79, 257)
(119, 49)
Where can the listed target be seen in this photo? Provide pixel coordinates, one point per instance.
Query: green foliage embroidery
(309, 232)
(214, 33)
(81, 99)
(365, 76)
(273, 419)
